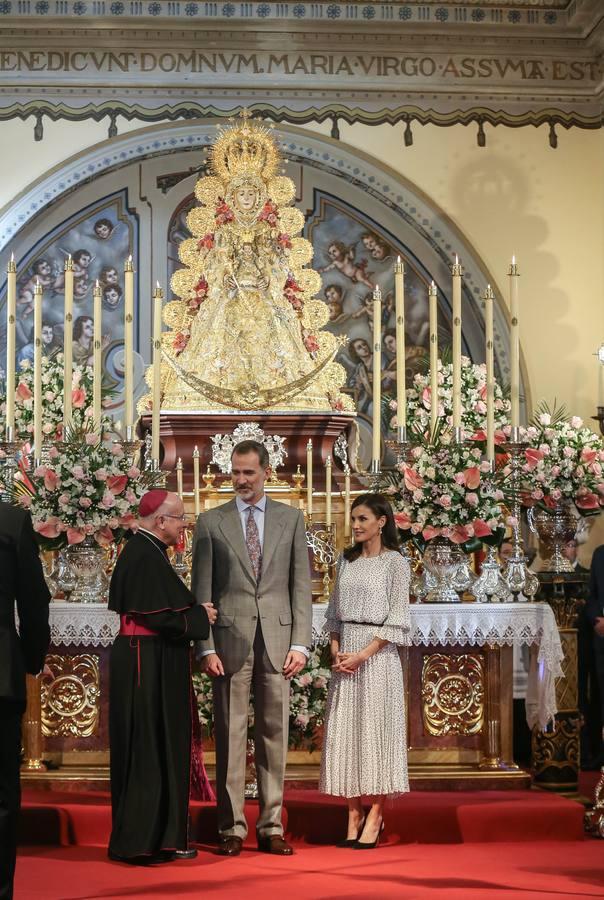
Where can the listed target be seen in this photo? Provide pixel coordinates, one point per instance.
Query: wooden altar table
(458, 670)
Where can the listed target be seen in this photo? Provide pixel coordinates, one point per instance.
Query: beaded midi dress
(365, 743)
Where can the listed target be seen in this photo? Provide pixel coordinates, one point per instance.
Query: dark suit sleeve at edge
(33, 597)
(595, 602)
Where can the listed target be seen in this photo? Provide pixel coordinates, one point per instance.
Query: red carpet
(427, 817)
(459, 845)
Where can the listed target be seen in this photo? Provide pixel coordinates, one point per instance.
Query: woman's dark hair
(379, 506)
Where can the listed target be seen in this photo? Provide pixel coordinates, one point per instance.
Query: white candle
(347, 523)
(179, 477)
(600, 357)
(11, 317)
(514, 346)
(68, 344)
(490, 365)
(399, 296)
(309, 478)
(377, 375)
(433, 312)
(196, 479)
(158, 298)
(37, 371)
(97, 372)
(328, 490)
(456, 272)
(128, 342)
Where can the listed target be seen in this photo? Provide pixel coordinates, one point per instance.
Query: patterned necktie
(252, 539)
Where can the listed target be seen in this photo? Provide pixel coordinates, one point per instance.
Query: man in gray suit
(250, 560)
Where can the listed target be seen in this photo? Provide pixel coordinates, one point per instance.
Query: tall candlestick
(328, 490)
(196, 479)
(490, 365)
(600, 358)
(399, 299)
(433, 309)
(179, 477)
(97, 373)
(309, 478)
(377, 383)
(347, 523)
(456, 272)
(129, 342)
(514, 346)
(158, 299)
(37, 371)
(11, 317)
(68, 343)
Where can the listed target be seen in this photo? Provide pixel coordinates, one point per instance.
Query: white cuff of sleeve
(301, 649)
(206, 653)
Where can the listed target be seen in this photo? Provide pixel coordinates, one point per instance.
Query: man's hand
(212, 665)
(211, 611)
(294, 663)
(599, 626)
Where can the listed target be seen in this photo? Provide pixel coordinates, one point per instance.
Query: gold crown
(246, 148)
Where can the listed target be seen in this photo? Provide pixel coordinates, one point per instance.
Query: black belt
(353, 622)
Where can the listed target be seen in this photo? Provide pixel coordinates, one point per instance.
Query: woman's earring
(380, 531)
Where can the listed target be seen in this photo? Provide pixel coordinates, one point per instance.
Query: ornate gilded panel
(567, 689)
(453, 693)
(71, 702)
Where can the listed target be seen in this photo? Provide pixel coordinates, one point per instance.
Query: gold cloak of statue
(246, 333)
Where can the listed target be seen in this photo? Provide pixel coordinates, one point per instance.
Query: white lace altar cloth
(497, 624)
(473, 624)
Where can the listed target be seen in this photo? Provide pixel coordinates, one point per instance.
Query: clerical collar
(242, 505)
(163, 547)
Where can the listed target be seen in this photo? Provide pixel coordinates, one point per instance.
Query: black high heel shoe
(351, 842)
(362, 845)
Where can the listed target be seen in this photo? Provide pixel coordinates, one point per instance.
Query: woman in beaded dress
(365, 744)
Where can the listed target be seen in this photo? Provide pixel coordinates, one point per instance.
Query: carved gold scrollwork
(453, 694)
(71, 700)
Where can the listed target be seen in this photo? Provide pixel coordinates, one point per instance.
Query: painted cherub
(342, 259)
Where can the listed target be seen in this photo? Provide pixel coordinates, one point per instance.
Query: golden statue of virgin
(246, 333)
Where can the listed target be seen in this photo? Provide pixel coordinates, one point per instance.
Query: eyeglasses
(182, 518)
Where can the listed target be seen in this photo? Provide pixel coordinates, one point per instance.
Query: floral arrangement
(563, 461)
(86, 489)
(306, 706)
(52, 395)
(473, 401)
(447, 490)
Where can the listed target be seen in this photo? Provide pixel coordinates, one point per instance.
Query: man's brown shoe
(274, 843)
(229, 846)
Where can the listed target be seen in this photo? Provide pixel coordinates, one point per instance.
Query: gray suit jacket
(222, 573)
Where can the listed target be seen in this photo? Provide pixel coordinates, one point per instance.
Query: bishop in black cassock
(150, 710)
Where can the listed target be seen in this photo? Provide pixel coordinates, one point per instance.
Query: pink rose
(64, 499)
(117, 483)
(459, 478)
(78, 472)
(85, 502)
(117, 451)
(101, 474)
(305, 680)
(133, 472)
(92, 439)
(75, 536)
(472, 499)
(445, 501)
(23, 392)
(108, 500)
